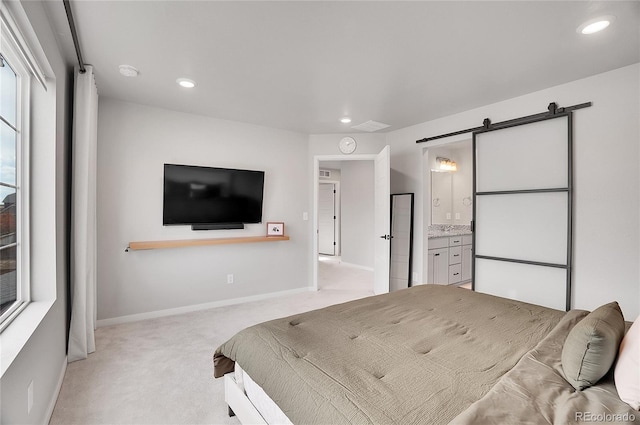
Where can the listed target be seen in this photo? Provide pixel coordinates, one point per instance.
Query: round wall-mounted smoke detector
(128, 71)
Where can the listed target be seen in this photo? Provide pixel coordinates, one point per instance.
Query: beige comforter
(536, 392)
(416, 356)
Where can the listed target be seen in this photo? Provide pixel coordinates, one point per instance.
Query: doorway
(448, 212)
(378, 238)
(345, 226)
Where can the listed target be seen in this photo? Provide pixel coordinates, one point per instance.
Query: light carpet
(334, 274)
(160, 371)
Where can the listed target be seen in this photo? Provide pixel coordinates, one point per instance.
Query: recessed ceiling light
(593, 26)
(345, 120)
(128, 71)
(185, 82)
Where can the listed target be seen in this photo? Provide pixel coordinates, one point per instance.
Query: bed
(425, 355)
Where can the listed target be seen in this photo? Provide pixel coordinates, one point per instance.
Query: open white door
(382, 220)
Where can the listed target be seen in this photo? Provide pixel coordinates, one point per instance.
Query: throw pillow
(592, 345)
(627, 371)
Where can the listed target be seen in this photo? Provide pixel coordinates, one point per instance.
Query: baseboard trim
(197, 307)
(54, 398)
(357, 266)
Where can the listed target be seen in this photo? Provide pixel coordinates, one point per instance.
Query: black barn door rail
(552, 110)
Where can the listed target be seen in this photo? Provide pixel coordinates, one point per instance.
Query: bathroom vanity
(449, 256)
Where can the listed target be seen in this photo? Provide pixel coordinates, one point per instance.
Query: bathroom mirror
(441, 197)
(451, 176)
(450, 198)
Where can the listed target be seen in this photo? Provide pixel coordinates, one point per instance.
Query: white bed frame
(239, 403)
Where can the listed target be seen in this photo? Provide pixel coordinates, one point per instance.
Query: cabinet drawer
(455, 273)
(435, 243)
(455, 240)
(455, 254)
(467, 239)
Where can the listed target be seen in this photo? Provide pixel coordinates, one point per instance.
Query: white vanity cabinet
(449, 260)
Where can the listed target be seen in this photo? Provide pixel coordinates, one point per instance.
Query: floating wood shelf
(135, 246)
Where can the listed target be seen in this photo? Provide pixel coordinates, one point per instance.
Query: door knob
(386, 237)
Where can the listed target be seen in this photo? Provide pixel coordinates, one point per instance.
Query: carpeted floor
(334, 274)
(160, 371)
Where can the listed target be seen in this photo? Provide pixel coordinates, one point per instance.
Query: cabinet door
(430, 258)
(441, 266)
(466, 262)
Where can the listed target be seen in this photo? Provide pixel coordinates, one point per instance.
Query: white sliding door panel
(522, 210)
(532, 156)
(529, 227)
(523, 282)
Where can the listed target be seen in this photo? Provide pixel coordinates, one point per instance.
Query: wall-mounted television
(211, 198)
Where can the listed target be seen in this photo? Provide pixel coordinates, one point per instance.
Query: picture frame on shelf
(275, 228)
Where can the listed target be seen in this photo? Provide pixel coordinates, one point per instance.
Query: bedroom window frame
(16, 57)
(552, 114)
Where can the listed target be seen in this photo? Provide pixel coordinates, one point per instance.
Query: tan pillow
(627, 370)
(592, 345)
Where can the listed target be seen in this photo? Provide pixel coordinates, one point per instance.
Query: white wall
(606, 198)
(43, 357)
(357, 200)
(134, 142)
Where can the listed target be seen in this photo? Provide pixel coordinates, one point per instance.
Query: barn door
(522, 211)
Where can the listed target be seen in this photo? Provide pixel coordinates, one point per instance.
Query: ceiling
(302, 65)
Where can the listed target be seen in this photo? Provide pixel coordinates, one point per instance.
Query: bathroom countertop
(439, 231)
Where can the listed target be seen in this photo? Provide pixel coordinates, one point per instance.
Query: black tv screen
(207, 195)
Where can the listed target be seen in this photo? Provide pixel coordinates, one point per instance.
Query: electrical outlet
(230, 278)
(448, 216)
(29, 397)
(457, 216)
(414, 277)
(305, 216)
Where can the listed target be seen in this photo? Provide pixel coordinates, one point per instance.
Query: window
(14, 91)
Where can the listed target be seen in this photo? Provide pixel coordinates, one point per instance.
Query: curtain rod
(486, 124)
(74, 35)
